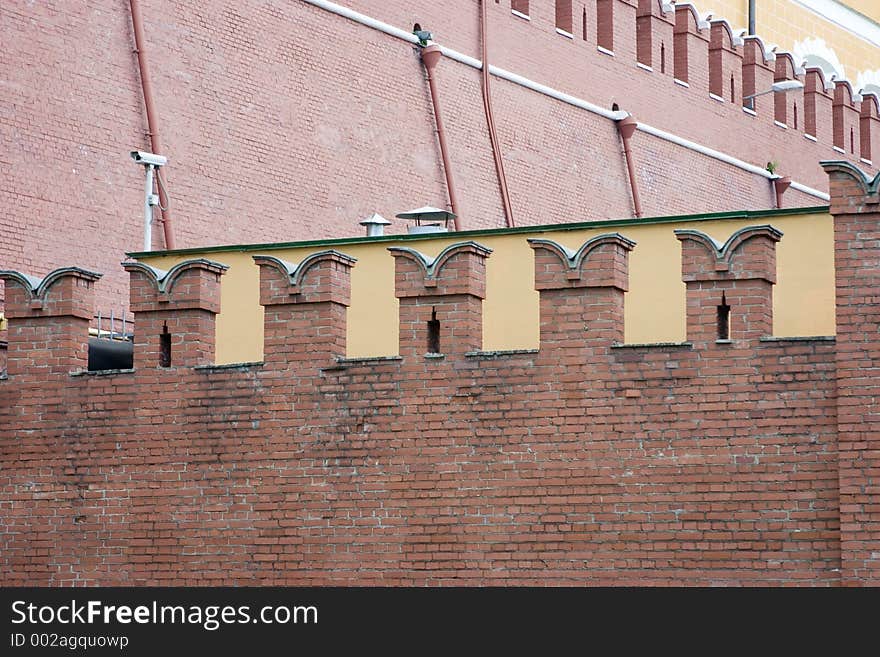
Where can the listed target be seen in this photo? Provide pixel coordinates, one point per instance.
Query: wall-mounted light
(780, 87)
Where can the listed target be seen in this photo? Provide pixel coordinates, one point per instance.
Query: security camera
(149, 158)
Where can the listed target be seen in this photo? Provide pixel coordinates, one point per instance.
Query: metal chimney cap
(427, 213)
(375, 219)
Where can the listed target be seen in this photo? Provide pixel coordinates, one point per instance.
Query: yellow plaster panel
(868, 8)
(784, 23)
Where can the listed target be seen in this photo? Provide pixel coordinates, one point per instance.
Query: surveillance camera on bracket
(149, 158)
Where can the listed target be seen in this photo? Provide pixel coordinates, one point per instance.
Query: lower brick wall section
(618, 466)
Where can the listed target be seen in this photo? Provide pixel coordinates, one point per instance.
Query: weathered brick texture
(856, 205)
(585, 462)
(304, 308)
(752, 461)
(48, 321)
(175, 313)
(739, 274)
(448, 289)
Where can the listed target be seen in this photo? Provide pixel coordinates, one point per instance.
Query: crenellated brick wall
(855, 202)
(717, 461)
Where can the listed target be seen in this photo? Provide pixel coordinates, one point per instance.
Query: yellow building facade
(803, 301)
(846, 34)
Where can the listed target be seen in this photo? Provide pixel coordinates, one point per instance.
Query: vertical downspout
(780, 184)
(490, 118)
(752, 27)
(152, 122)
(627, 127)
(430, 57)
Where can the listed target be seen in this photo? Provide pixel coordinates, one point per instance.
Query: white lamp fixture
(780, 87)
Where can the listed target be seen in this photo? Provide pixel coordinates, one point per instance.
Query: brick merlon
(691, 20)
(438, 274)
(600, 262)
(296, 272)
(319, 277)
(787, 66)
(656, 8)
(191, 284)
(815, 81)
(719, 28)
(37, 292)
(850, 187)
(753, 41)
(714, 260)
(164, 280)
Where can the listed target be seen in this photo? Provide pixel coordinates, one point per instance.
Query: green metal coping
(546, 228)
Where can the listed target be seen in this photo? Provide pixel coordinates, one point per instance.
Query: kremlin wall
(733, 457)
(642, 359)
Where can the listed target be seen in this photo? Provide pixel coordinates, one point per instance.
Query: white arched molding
(815, 52)
(869, 82)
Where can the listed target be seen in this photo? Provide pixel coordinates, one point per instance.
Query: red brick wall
(749, 460)
(285, 122)
(856, 204)
(636, 466)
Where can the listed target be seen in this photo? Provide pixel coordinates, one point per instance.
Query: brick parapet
(737, 447)
(582, 292)
(48, 320)
(730, 285)
(737, 450)
(175, 312)
(305, 308)
(441, 308)
(855, 204)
